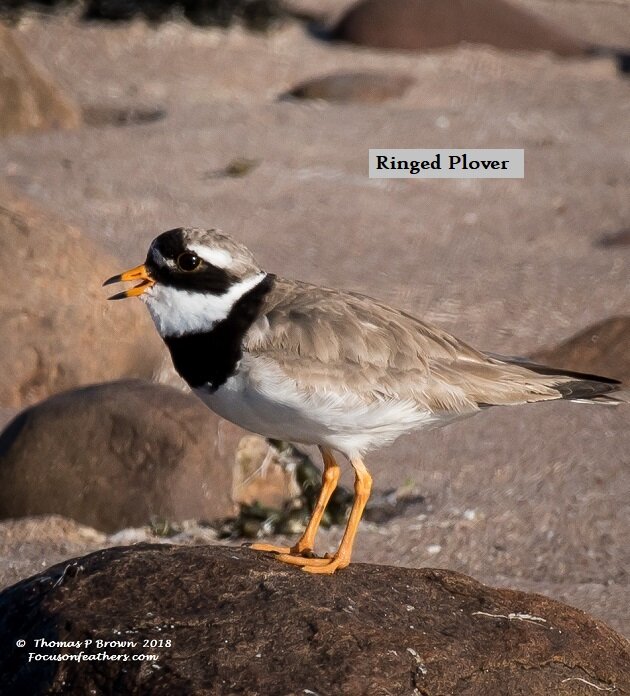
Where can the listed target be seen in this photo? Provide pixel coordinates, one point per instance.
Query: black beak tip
(113, 279)
(118, 295)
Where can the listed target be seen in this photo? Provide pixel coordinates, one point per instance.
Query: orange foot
(292, 551)
(269, 548)
(326, 566)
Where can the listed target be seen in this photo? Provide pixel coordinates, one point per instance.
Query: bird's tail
(580, 387)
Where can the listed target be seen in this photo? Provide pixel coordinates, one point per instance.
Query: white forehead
(220, 258)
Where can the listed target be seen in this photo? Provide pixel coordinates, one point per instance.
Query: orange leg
(304, 545)
(362, 488)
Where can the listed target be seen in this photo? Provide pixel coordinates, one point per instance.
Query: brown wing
(332, 340)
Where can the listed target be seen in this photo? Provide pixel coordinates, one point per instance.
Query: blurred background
(120, 120)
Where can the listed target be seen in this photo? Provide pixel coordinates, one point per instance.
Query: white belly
(272, 405)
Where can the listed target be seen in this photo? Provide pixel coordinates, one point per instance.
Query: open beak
(138, 273)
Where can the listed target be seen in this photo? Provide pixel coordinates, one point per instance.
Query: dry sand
(533, 498)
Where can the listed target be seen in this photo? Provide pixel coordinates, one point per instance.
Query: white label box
(450, 163)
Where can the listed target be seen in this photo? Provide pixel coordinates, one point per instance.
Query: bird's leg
(330, 478)
(362, 488)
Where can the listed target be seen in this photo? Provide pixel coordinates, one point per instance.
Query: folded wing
(334, 341)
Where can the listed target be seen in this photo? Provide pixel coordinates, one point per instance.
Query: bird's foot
(326, 565)
(270, 548)
(296, 551)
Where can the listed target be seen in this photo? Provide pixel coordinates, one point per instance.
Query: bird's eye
(188, 261)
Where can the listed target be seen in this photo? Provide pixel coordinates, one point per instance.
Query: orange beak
(138, 273)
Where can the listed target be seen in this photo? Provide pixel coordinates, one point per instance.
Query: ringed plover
(313, 365)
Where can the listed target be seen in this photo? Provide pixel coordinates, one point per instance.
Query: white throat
(176, 312)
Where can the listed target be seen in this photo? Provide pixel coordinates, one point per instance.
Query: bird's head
(191, 279)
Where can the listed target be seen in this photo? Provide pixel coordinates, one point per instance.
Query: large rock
(117, 455)
(600, 349)
(28, 100)
(229, 621)
(58, 330)
(419, 25)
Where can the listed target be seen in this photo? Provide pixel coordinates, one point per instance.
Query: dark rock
(28, 100)
(118, 10)
(219, 13)
(261, 15)
(230, 621)
(58, 330)
(235, 169)
(600, 349)
(623, 61)
(257, 15)
(420, 25)
(116, 455)
(386, 506)
(367, 88)
(615, 239)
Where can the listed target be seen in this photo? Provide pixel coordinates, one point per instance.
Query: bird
(320, 366)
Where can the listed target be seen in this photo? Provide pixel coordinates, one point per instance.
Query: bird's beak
(138, 273)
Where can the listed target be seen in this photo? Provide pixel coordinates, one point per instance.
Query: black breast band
(211, 357)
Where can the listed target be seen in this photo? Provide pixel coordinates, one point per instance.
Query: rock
(121, 10)
(234, 169)
(599, 349)
(367, 88)
(28, 100)
(226, 621)
(257, 15)
(620, 238)
(58, 330)
(116, 455)
(420, 25)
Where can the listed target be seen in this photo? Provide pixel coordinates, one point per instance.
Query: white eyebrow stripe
(215, 257)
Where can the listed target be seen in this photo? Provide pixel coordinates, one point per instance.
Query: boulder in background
(58, 330)
(117, 455)
(422, 25)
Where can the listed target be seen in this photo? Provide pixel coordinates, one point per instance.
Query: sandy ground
(533, 498)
